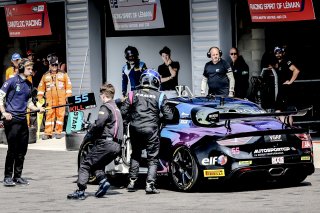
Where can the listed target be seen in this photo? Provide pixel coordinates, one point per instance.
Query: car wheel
(184, 169)
(126, 151)
(84, 150)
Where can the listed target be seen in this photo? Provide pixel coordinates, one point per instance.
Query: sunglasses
(54, 65)
(233, 53)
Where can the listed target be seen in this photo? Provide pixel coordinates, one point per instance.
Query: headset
(22, 64)
(209, 54)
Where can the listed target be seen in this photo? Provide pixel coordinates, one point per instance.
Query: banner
(25, 20)
(136, 14)
(281, 10)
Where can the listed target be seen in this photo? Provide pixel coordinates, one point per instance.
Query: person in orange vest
(13, 69)
(56, 86)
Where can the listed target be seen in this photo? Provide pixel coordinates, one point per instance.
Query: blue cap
(15, 56)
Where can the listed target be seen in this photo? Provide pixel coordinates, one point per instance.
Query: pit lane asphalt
(52, 174)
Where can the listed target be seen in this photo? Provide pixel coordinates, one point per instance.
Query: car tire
(84, 149)
(126, 150)
(74, 140)
(184, 169)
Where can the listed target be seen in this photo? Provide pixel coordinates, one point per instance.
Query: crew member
(56, 86)
(15, 98)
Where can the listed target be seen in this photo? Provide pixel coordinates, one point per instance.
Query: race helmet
(131, 53)
(150, 79)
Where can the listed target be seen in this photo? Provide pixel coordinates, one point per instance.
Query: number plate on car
(277, 160)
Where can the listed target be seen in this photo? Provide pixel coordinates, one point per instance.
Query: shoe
(130, 186)
(59, 136)
(103, 188)
(20, 181)
(8, 182)
(46, 137)
(151, 189)
(77, 195)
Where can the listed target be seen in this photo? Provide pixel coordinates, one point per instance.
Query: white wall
(148, 48)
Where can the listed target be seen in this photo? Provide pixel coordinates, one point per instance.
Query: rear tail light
(234, 141)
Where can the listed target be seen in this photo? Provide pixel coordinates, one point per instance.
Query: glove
(231, 94)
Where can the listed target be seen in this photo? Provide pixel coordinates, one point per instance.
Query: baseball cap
(165, 50)
(278, 49)
(29, 52)
(15, 56)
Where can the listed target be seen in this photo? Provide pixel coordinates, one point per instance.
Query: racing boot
(151, 189)
(103, 188)
(130, 186)
(77, 195)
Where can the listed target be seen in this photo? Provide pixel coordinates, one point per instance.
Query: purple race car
(218, 139)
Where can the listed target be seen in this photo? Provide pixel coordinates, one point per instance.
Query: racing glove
(204, 85)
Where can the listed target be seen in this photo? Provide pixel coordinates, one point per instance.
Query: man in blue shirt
(15, 98)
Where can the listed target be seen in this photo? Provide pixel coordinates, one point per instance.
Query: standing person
(132, 70)
(217, 75)
(241, 73)
(142, 109)
(15, 98)
(287, 73)
(56, 86)
(108, 134)
(168, 71)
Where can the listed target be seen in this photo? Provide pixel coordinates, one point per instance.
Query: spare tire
(74, 140)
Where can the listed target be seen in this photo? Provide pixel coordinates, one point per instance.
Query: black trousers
(102, 153)
(144, 138)
(17, 133)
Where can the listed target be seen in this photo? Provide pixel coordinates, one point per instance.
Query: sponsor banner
(136, 14)
(214, 173)
(281, 10)
(273, 151)
(25, 20)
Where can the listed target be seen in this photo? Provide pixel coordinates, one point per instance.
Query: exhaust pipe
(276, 171)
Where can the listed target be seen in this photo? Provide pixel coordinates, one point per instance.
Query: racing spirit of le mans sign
(25, 20)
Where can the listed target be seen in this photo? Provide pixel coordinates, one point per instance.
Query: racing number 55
(81, 98)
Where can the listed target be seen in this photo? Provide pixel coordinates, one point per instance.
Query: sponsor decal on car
(275, 138)
(221, 160)
(214, 173)
(235, 150)
(277, 160)
(245, 162)
(270, 151)
(305, 158)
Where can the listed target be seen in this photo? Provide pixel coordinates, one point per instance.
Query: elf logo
(221, 160)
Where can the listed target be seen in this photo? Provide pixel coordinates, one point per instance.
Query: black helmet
(131, 53)
(150, 79)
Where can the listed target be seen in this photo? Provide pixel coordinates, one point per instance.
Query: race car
(217, 139)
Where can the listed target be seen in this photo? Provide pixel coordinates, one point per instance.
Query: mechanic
(15, 98)
(287, 73)
(132, 70)
(142, 109)
(56, 86)
(107, 132)
(217, 75)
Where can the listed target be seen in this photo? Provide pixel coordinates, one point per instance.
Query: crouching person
(108, 133)
(142, 109)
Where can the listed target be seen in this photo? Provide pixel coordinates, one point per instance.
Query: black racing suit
(108, 134)
(144, 117)
(241, 76)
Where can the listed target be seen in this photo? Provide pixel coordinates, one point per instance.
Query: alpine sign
(25, 20)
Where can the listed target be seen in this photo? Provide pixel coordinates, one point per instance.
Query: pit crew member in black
(142, 109)
(168, 71)
(217, 75)
(287, 73)
(15, 98)
(241, 73)
(107, 132)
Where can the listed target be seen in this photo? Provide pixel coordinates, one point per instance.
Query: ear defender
(209, 54)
